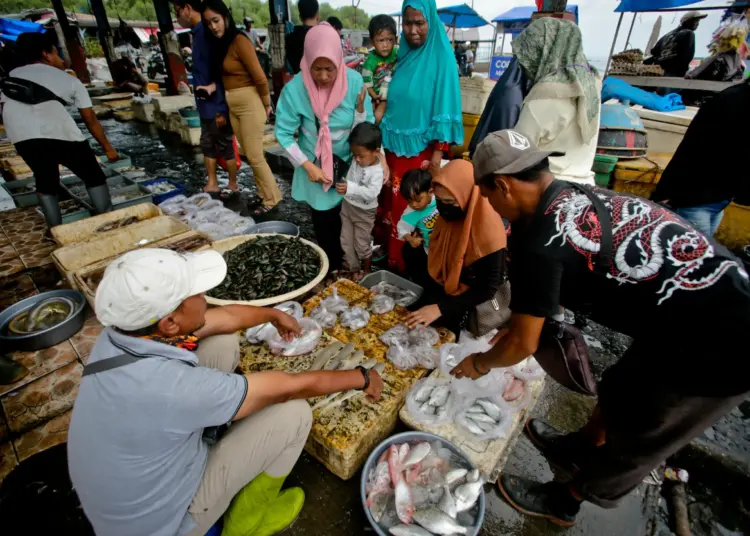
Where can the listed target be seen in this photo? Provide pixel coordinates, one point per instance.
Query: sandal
(263, 210)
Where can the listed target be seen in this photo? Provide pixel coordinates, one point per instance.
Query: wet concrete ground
(718, 507)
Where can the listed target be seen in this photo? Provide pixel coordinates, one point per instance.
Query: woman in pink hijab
(315, 114)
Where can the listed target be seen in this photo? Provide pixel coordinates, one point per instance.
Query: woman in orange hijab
(466, 257)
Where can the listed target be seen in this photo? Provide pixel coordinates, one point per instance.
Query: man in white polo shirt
(137, 446)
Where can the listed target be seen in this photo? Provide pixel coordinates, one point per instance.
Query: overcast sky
(597, 20)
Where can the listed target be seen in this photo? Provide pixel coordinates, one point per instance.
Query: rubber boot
(249, 506)
(100, 198)
(281, 512)
(51, 208)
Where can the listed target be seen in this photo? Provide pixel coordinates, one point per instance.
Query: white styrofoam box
(474, 94)
(173, 103)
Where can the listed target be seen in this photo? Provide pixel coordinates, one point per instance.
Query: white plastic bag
(453, 353)
(494, 423)
(304, 344)
(427, 356)
(198, 200)
(515, 391)
(382, 304)
(355, 318)
(262, 332)
(528, 369)
(212, 230)
(213, 204)
(401, 357)
(418, 402)
(397, 334)
(424, 335)
(323, 316)
(335, 303)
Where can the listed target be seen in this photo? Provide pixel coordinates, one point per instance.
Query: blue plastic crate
(160, 198)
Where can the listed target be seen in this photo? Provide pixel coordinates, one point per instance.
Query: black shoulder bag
(562, 351)
(28, 92)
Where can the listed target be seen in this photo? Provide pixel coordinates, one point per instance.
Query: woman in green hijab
(561, 110)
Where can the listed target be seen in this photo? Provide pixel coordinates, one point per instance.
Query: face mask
(449, 212)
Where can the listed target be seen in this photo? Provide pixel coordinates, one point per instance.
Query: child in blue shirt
(417, 221)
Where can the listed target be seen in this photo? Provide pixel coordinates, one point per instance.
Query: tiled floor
(35, 411)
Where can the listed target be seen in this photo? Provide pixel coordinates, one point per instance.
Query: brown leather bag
(562, 351)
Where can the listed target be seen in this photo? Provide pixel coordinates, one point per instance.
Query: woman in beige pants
(247, 94)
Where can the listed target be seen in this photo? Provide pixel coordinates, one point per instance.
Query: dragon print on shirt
(648, 241)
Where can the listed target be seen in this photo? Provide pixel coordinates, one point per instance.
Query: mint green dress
(297, 134)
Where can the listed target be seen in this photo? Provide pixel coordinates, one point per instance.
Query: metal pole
(614, 41)
(170, 48)
(502, 43)
(104, 32)
(76, 53)
(280, 15)
(630, 32)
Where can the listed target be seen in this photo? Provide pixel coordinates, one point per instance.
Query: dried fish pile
(265, 267)
(423, 488)
(117, 224)
(486, 417)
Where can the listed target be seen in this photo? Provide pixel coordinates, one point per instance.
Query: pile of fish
(401, 296)
(423, 488)
(412, 348)
(485, 418)
(45, 315)
(431, 400)
(117, 224)
(160, 187)
(267, 266)
(338, 356)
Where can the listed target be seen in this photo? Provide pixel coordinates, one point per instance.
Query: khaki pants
(356, 233)
(248, 118)
(269, 441)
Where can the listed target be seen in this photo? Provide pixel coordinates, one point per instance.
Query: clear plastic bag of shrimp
(323, 316)
(262, 332)
(335, 303)
(481, 415)
(397, 334)
(401, 357)
(424, 335)
(382, 304)
(355, 318)
(172, 205)
(198, 200)
(214, 204)
(431, 401)
(303, 344)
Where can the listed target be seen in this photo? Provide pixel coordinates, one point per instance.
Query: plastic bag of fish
(381, 304)
(397, 334)
(432, 401)
(303, 344)
(484, 417)
(355, 318)
(412, 348)
(258, 334)
(323, 316)
(424, 486)
(335, 303)
(401, 296)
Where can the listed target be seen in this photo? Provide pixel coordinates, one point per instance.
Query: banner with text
(498, 66)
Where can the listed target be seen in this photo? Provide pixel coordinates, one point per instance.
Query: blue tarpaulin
(517, 19)
(461, 16)
(649, 5)
(10, 29)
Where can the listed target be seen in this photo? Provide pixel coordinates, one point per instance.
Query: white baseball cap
(692, 15)
(143, 286)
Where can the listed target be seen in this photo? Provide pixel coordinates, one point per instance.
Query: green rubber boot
(281, 512)
(249, 506)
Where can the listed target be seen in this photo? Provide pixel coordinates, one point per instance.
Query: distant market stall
(513, 22)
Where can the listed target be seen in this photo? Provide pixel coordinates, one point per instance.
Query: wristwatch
(366, 373)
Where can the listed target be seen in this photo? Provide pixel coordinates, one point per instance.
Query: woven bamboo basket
(70, 258)
(222, 246)
(87, 278)
(83, 230)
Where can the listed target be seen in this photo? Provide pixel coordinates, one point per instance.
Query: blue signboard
(498, 66)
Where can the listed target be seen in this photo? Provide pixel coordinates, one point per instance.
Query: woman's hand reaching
(424, 316)
(314, 173)
(361, 100)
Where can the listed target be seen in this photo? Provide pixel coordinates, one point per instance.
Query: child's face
(421, 200)
(364, 156)
(384, 41)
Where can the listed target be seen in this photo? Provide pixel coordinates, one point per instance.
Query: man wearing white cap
(142, 451)
(676, 50)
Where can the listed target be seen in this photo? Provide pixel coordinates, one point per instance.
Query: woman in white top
(561, 110)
